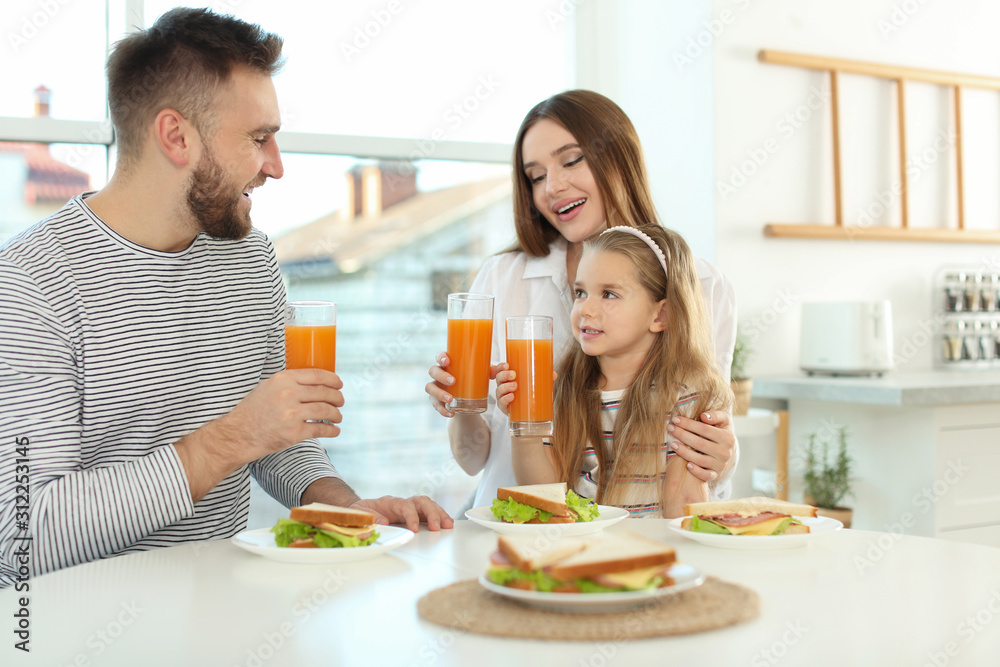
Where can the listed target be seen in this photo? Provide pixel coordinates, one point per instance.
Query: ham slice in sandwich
(747, 516)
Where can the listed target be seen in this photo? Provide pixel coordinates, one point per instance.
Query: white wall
(627, 50)
(793, 182)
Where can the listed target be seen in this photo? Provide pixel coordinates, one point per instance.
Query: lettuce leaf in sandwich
(541, 581)
(288, 530)
(515, 512)
(704, 525)
(583, 508)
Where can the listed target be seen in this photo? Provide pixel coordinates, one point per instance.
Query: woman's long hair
(681, 360)
(614, 155)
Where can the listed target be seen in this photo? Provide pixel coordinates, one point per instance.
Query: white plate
(261, 542)
(818, 526)
(608, 516)
(685, 576)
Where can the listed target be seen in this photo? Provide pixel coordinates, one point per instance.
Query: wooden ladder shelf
(838, 230)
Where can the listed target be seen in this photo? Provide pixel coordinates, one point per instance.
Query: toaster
(846, 337)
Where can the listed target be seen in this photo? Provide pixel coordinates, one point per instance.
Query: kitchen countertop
(895, 388)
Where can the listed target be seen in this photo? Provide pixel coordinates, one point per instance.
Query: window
(37, 179)
(444, 70)
(422, 99)
(36, 39)
(377, 256)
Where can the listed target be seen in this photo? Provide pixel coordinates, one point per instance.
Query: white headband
(649, 241)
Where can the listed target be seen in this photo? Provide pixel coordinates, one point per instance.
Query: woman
(578, 170)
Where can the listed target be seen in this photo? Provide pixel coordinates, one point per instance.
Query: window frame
(53, 130)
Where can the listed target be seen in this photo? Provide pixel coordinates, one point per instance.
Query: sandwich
(747, 516)
(542, 503)
(624, 562)
(318, 525)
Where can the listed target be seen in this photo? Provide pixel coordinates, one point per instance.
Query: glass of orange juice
(311, 335)
(470, 340)
(529, 354)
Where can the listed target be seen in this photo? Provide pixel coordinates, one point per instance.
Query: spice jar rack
(967, 307)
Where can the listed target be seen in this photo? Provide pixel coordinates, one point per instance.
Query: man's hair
(180, 63)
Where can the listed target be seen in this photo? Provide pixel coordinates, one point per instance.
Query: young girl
(644, 357)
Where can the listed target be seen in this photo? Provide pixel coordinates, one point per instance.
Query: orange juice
(311, 347)
(469, 345)
(532, 361)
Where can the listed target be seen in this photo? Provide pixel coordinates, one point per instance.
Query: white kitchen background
(756, 103)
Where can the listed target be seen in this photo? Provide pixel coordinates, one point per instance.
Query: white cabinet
(926, 447)
(966, 487)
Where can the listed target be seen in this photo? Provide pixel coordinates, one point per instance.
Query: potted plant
(741, 384)
(828, 479)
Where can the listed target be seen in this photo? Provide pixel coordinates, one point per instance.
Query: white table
(850, 598)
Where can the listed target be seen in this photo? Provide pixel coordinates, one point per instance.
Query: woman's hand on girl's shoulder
(707, 443)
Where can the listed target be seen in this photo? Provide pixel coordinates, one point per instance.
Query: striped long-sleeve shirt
(109, 353)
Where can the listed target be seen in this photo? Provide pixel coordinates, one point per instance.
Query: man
(141, 326)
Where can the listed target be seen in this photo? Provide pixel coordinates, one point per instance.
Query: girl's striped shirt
(642, 497)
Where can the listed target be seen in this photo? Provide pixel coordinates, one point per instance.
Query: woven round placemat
(467, 606)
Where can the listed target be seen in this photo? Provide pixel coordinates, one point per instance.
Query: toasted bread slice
(749, 507)
(796, 529)
(534, 552)
(548, 497)
(318, 513)
(621, 553)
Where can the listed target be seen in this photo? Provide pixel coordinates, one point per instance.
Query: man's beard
(210, 202)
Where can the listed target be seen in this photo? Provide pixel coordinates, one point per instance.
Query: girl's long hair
(680, 360)
(611, 147)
